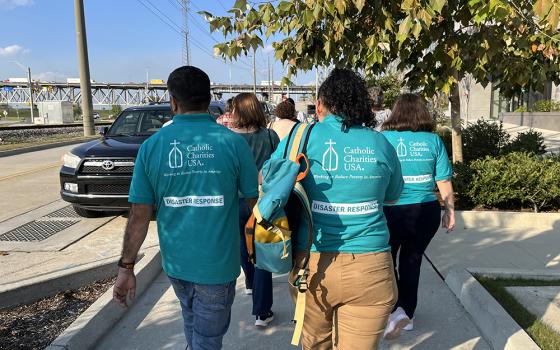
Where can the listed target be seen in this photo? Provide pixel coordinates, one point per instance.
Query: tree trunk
(456, 134)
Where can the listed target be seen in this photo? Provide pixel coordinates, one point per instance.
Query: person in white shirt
(285, 119)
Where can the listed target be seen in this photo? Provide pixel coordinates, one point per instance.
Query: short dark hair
(409, 114)
(285, 110)
(291, 100)
(191, 88)
(345, 95)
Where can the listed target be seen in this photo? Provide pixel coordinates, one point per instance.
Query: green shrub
(482, 139)
(529, 141)
(521, 109)
(462, 179)
(546, 106)
(514, 181)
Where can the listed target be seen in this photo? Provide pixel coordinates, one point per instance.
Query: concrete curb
(33, 289)
(507, 219)
(19, 151)
(497, 326)
(540, 274)
(86, 331)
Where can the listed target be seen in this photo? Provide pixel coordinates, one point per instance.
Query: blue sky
(124, 40)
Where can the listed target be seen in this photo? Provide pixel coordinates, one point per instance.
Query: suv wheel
(86, 213)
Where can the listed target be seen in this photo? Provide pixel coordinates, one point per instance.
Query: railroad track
(49, 126)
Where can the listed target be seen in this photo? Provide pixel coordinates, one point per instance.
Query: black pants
(411, 227)
(260, 281)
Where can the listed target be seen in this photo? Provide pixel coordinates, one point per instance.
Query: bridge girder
(120, 94)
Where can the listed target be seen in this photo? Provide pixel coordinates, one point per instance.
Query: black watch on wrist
(128, 266)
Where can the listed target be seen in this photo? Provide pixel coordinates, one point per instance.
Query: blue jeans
(260, 281)
(206, 312)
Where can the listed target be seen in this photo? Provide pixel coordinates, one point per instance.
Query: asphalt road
(30, 180)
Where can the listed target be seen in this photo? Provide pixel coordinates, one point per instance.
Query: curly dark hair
(286, 110)
(344, 94)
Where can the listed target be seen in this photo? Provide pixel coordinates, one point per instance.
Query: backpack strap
(301, 280)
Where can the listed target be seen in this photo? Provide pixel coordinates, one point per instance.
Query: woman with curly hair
(353, 171)
(285, 119)
(415, 218)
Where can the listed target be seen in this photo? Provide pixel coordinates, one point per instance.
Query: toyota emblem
(108, 165)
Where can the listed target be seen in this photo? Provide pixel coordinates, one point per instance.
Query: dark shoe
(263, 321)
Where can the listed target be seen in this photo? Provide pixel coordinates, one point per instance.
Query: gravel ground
(36, 325)
(19, 136)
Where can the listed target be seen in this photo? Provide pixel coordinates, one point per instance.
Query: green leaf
(553, 16)
(416, 29)
(279, 54)
(317, 12)
(330, 7)
(328, 48)
(285, 6)
(406, 5)
(404, 29)
(359, 4)
(340, 6)
(308, 18)
(542, 7)
(389, 24)
(437, 5)
(266, 16)
(240, 4)
(425, 17)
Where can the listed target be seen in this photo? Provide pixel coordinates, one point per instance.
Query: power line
(158, 10)
(173, 26)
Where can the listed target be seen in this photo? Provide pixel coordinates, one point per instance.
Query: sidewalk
(155, 322)
(551, 137)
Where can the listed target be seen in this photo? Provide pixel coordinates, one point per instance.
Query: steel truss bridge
(130, 94)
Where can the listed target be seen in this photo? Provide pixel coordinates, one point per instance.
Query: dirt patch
(36, 325)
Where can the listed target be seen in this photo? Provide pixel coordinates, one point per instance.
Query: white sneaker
(248, 291)
(397, 321)
(409, 326)
(263, 321)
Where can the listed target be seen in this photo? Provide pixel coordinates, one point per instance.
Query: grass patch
(541, 333)
(45, 141)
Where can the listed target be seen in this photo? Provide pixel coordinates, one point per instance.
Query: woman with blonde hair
(415, 218)
(250, 122)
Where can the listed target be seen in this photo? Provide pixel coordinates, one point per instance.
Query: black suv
(96, 175)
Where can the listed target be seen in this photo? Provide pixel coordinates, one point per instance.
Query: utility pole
(316, 83)
(255, 72)
(269, 90)
(272, 86)
(147, 85)
(287, 85)
(186, 46)
(83, 62)
(30, 86)
(30, 94)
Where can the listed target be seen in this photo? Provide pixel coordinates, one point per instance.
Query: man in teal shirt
(192, 173)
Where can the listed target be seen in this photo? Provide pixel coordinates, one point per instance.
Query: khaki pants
(349, 299)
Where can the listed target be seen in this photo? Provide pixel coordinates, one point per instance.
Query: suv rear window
(139, 122)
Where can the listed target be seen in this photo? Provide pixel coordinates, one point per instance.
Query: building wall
(478, 105)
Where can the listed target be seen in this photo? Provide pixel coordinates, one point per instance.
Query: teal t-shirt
(353, 172)
(192, 171)
(423, 160)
